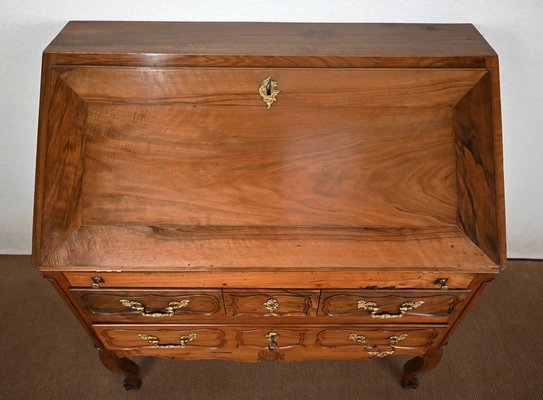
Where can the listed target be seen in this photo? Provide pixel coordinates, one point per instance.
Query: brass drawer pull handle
(272, 338)
(375, 311)
(268, 90)
(358, 338)
(271, 305)
(169, 310)
(392, 340)
(183, 341)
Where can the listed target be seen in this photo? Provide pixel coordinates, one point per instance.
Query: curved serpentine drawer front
(289, 343)
(258, 305)
(271, 303)
(392, 306)
(149, 306)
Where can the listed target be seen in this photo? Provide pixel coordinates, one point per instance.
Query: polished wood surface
(105, 305)
(170, 248)
(284, 303)
(437, 306)
(302, 87)
(477, 181)
(269, 171)
(180, 217)
(294, 343)
(293, 280)
(359, 156)
(270, 44)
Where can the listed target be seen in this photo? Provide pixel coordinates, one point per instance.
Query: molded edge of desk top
(154, 40)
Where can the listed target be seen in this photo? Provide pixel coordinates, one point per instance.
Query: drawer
(271, 303)
(149, 305)
(289, 280)
(373, 306)
(269, 343)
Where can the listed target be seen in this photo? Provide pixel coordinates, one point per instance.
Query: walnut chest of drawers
(248, 191)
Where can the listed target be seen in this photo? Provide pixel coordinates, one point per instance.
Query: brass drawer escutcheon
(272, 338)
(271, 305)
(268, 90)
(183, 341)
(169, 310)
(272, 353)
(392, 340)
(375, 311)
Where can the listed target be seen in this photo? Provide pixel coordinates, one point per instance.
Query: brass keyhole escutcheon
(272, 338)
(269, 91)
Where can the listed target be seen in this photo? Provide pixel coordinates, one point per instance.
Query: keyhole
(268, 88)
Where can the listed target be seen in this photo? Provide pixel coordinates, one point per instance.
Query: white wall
(513, 28)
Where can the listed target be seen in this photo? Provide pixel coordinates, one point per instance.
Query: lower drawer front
(261, 343)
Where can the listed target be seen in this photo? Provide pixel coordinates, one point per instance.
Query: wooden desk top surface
(281, 43)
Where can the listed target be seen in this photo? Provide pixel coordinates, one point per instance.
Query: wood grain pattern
(438, 306)
(375, 174)
(493, 67)
(127, 336)
(63, 182)
(283, 164)
(299, 167)
(105, 305)
(296, 343)
(292, 280)
(133, 248)
(277, 44)
(41, 153)
(300, 87)
(250, 303)
(377, 338)
(476, 168)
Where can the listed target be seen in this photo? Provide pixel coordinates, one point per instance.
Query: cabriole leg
(420, 364)
(123, 366)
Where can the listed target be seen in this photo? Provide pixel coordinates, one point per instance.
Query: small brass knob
(96, 281)
(443, 283)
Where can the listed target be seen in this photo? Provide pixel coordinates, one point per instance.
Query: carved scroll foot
(420, 364)
(123, 366)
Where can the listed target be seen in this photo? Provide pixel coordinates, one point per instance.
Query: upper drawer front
(324, 280)
(392, 306)
(271, 303)
(150, 305)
